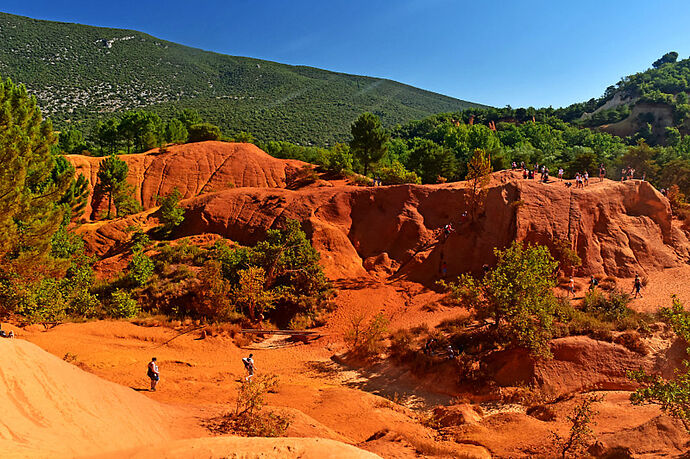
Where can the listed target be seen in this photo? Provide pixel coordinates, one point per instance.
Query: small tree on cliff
(368, 139)
(517, 295)
(171, 213)
(112, 174)
(478, 176)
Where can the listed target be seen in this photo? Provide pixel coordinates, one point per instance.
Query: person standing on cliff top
(560, 174)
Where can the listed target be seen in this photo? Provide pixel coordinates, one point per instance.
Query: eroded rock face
(617, 229)
(579, 364)
(193, 169)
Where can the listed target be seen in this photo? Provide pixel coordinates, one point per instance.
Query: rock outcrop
(193, 169)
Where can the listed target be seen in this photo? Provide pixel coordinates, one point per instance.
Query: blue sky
(518, 53)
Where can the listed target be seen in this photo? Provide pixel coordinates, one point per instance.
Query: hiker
(429, 346)
(153, 374)
(602, 172)
(4, 334)
(560, 174)
(623, 175)
(514, 165)
(586, 178)
(451, 352)
(249, 366)
(448, 229)
(637, 286)
(524, 174)
(571, 286)
(522, 165)
(593, 282)
(444, 269)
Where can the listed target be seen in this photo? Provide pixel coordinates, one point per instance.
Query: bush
(171, 213)
(248, 419)
(140, 268)
(339, 159)
(122, 305)
(203, 131)
(366, 338)
(612, 306)
(396, 174)
(517, 295)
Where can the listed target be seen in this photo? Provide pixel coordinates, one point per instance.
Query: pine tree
(368, 139)
(112, 174)
(30, 186)
(478, 176)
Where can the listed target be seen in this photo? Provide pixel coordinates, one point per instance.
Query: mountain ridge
(82, 74)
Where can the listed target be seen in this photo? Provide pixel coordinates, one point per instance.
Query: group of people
(431, 345)
(581, 179)
(4, 334)
(628, 173)
(594, 283)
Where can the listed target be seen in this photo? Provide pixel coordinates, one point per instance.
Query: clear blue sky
(521, 52)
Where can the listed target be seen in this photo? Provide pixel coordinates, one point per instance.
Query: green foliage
(673, 396)
(396, 174)
(112, 173)
(171, 213)
(203, 131)
(30, 185)
(339, 159)
(478, 176)
(176, 131)
(517, 295)
(122, 305)
(369, 139)
(89, 69)
(611, 306)
(365, 338)
(140, 268)
(250, 295)
(71, 141)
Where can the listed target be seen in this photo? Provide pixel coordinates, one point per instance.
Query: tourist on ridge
(153, 374)
(637, 286)
(249, 366)
(586, 178)
(602, 172)
(560, 174)
(524, 174)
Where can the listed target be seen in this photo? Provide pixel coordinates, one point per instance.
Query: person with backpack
(593, 282)
(571, 286)
(153, 374)
(637, 286)
(249, 366)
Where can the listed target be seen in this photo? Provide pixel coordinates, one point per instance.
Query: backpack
(247, 363)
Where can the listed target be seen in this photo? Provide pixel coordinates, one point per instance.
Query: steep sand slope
(248, 448)
(192, 168)
(52, 408)
(617, 229)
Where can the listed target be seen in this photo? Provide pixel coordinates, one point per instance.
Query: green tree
(175, 131)
(479, 177)
(339, 160)
(250, 294)
(108, 136)
(641, 158)
(517, 295)
(71, 141)
(30, 187)
(140, 268)
(171, 213)
(112, 173)
(431, 162)
(369, 139)
(203, 131)
(668, 58)
(244, 137)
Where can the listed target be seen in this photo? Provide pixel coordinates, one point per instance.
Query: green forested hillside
(82, 73)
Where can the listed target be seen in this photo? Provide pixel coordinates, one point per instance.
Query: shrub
(581, 434)
(203, 131)
(122, 305)
(612, 306)
(396, 174)
(171, 213)
(249, 419)
(366, 338)
(517, 295)
(339, 159)
(140, 268)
